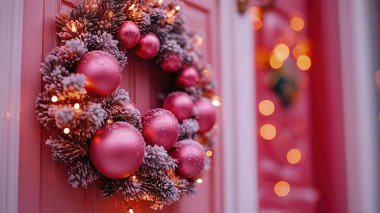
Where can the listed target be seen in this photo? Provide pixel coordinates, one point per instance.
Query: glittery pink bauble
(171, 63)
(205, 114)
(160, 127)
(180, 104)
(117, 150)
(102, 71)
(191, 158)
(148, 46)
(129, 34)
(188, 77)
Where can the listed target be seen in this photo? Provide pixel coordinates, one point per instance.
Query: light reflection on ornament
(268, 131)
(294, 156)
(266, 107)
(304, 62)
(297, 23)
(282, 188)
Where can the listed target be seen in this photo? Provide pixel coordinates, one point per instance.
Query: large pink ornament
(160, 127)
(180, 104)
(129, 34)
(102, 71)
(191, 158)
(148, 46)
(188, 77)
(171, 63)
(205, 114)
(117, 150)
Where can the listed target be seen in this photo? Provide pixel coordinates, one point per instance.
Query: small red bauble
(205, 114)
(180, 104)
(160, 127)
(117, 150)
(148, 46)
(102, 71)
(171, 63)
(129, 34)
(191, 158)
(188, 77)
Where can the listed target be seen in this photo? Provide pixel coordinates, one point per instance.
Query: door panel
(43, 183)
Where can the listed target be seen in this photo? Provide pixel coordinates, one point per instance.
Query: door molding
(238, 92)
(11, 16)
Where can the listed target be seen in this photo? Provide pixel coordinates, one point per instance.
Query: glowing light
(76, 106)
(256, 18)
(73, 28)
(132, 7)
(275, 62)
(54, 99)
(109, 121)
(209, 153)
(297, 23)
(304, 62)
(130, 210)
(134, 178)
(294, 156)
(178, 8)
(199, 180)
(266, 107)
(282, 188)
(282, 51)
(66, 130)
(268, 132)
(301, 49)
(215, 101)
(159, 2)
(110, 14)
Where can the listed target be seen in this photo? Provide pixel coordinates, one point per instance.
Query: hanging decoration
(98, 132)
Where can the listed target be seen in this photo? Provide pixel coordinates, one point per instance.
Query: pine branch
(65, 150)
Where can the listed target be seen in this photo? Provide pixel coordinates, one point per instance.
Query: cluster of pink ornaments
(117, 149)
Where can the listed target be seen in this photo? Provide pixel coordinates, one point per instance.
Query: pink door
(43, 183)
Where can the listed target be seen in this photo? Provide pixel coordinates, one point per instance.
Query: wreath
(98, 132)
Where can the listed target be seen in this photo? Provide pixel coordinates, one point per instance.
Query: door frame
(239, 117)
(11, 16)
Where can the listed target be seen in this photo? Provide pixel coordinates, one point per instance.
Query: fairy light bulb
(66, 130)
(130, 210)
(178, 8)
(215, 101)
(76, 106)
(73, 28)
(109, 121)
(54, 99)
(209, 153)
(132, 7)
(199, 180)
(160, 2)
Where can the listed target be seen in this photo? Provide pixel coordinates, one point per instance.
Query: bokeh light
(304, 62)
(256, 18)
(294, 156)
(297, 23)
(281, 51)
(266, 107)
(282, 188)
(268, 131)
(276, 62)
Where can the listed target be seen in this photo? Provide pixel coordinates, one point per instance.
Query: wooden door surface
(43, 183)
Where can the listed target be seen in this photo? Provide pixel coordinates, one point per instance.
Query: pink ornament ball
(117, 150)
(191, 158)
(160, 127)
(205, 114)
(188, 77)
(148, 46)
(171, 63)
(102, 71)
(180, 104)
(129, 34)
